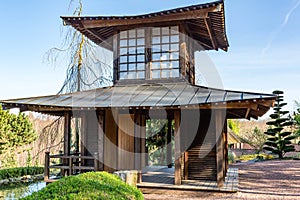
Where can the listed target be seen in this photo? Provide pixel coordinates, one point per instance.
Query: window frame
(169, 36)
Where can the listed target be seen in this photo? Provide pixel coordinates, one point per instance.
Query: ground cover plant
(91, 185)
(20, 171)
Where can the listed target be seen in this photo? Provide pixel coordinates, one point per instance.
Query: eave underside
(205, 23)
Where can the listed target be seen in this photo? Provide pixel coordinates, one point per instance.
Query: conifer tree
(279, 140)
(15, 131)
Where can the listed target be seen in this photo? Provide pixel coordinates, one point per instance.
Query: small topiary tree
(279, 140)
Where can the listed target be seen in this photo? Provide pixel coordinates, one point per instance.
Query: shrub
(91, 185)
(256, 156)
(20, 171)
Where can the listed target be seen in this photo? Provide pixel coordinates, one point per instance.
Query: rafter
(209, 29)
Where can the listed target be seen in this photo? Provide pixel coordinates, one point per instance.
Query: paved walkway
(163, 178)
(276, 179)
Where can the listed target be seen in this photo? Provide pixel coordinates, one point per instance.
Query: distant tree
(296, 118)
(234, 125)
(15, 131)
(255, 138)
(279, 140)
(156, 142)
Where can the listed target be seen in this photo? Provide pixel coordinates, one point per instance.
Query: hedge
(20, 171)
(91, 185)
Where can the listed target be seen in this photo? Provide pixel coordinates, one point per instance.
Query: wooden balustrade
(69, 164)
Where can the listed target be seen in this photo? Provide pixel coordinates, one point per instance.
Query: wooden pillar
(169, 142)
(144, 158)
(219, 123)
(177, 173)
(67, 133)
(110, 141)
(83, 137)
(46, 169)
(137, 143)
(100, 153)
(225, 146)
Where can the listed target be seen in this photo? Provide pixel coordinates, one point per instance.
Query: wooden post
(67, 139)
(169, 142)
(226, 146)
(100, 116)
(144, 159)
(67, 133)
(70, 165)
(83, 138)
(96, 161)
(46, 170)
(177, 173)
(186, 167)
(137, 144)
(219, 123)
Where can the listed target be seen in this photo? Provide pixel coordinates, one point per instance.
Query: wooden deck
(159, 178)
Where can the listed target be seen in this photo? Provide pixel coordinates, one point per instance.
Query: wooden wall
(110, 141)
(126, 142)
(204, 157)
(93, 136)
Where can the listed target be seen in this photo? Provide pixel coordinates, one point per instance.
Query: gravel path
(277, 179)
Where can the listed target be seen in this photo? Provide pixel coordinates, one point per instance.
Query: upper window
(165, 52)
(162, 56)
(132, 54)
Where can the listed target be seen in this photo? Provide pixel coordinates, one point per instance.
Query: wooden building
(154, 77)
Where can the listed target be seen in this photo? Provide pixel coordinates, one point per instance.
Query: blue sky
(264, 52)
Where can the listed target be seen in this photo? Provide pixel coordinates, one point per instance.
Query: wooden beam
(96, 35)
(177, 173)
(180, 16)
(211, 36)
(247, 113)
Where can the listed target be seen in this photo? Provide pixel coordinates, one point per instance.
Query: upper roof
(204, 22)
(151, 96)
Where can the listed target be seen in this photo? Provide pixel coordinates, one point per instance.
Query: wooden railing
(69, 164)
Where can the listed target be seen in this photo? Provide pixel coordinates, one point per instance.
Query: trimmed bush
(20, 171)
(91, 185)
(256, 156)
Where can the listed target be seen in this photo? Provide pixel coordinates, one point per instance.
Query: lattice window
(132, 54)
(165, 52)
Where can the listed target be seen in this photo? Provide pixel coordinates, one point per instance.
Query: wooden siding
(201, 162)
(110, 141)
(126, 142)
(93, 136)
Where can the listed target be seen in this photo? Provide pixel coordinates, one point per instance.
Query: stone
(130, 177)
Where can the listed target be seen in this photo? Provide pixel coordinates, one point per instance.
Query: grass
(91, 185)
